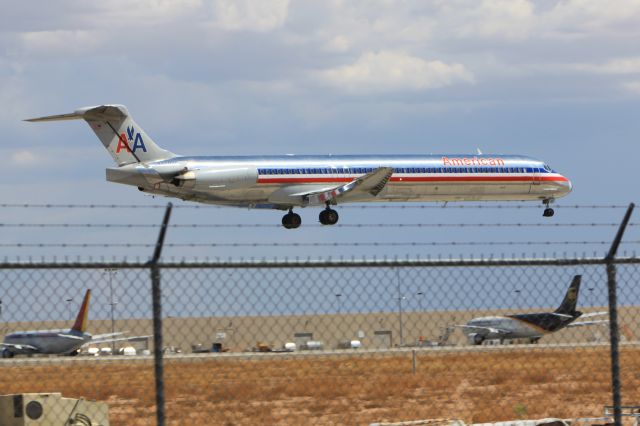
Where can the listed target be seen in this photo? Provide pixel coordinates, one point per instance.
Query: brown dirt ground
(355, 390)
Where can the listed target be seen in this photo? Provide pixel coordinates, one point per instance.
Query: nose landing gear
(328, 216)
(291, 220)
(548, 211)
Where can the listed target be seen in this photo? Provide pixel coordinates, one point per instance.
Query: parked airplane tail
(570, 300)
(121, 136)
(81, 320)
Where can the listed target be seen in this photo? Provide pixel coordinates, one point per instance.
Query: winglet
(81, 320)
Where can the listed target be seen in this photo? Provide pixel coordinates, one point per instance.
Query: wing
(106, 335)
(585, 323)
(370, 184)
(484, 330)
(111, 337)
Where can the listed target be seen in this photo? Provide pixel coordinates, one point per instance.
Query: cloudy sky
(556, 80)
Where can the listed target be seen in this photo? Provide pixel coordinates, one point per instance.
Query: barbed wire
(432, 205)
(346, 225)
(313, 244)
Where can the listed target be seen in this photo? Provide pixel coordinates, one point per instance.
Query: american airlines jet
(286, 182)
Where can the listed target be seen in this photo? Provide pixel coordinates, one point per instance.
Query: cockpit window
(547, 168)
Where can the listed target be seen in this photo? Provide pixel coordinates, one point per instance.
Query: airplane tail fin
(570, 300)
(81, 320)
(121, 136)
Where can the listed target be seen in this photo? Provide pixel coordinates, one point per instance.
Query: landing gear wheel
(478, 339)
(328, 217)
(548, 211)
(291, 220)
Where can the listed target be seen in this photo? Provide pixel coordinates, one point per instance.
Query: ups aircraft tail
(568, 306)
(121, 136)
(81, 320)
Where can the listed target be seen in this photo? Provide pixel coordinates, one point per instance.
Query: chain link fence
(320, 342)
(329, 342)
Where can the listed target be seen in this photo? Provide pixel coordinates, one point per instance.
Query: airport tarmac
(335, 353)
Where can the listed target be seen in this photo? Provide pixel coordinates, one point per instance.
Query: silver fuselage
(276, 181)
(46, 341)
(520, 326)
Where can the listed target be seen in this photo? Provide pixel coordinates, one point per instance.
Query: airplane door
(537, 176)
(535, 180)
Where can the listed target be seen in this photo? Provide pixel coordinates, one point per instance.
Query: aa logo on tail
(124, 139)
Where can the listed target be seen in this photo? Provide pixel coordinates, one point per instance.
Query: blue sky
(556, 80)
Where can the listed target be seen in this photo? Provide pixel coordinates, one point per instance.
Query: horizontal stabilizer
(59, 117)
(585, 323)
(125, 140)
(594, 314)
(102, 112)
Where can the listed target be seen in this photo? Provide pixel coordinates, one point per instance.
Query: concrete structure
(31, 409)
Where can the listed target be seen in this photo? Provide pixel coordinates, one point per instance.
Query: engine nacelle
(217, 179)
(475, 338)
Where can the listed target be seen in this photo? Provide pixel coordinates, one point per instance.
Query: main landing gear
(328, 216)
(548, 211)
(291, 220)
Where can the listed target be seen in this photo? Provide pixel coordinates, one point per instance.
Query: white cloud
(247, 15)
(589, 15)
(24, 158)
(611, 67)
(338, 44)
(507, 19)
(390, 71)
(632, 86)
(51, 43)
(615, 66)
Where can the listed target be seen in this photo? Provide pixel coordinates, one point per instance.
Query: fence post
(156, 297)
(414, 361)
(614, 334)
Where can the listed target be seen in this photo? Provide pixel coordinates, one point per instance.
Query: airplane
(285, 182)
(60, 342)
(531, 326)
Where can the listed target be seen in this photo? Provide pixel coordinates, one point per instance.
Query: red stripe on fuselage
(524, 179)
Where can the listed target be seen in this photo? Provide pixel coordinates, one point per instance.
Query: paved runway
(56, 360)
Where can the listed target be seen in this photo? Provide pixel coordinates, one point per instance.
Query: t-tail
(81, 320)
(568, 306)
(121, 136)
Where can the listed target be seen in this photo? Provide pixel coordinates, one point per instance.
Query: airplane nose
(566, 185)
